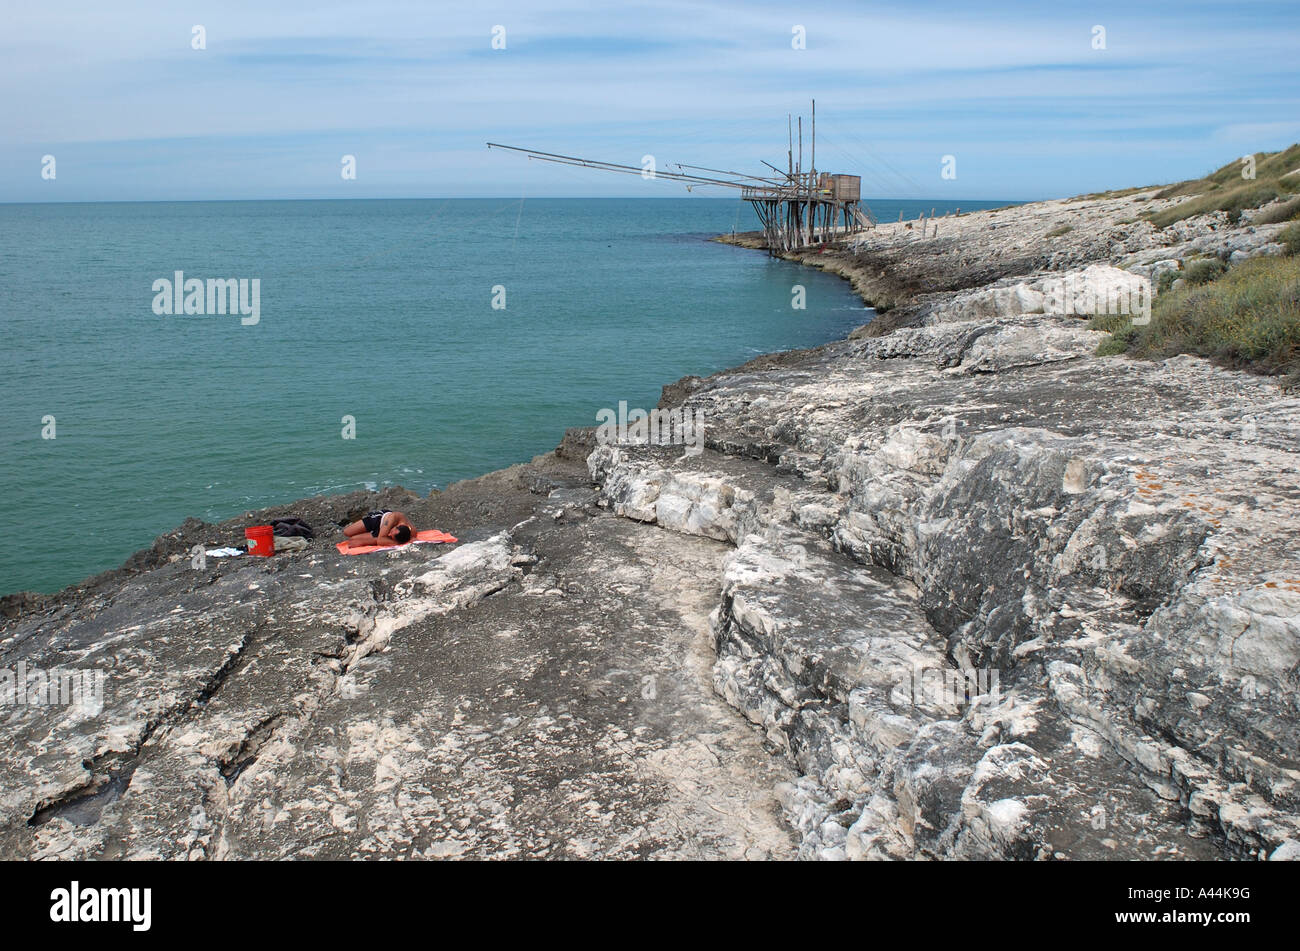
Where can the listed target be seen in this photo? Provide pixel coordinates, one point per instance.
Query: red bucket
(261, 540)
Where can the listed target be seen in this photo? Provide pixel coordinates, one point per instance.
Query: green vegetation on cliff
(1247, 316)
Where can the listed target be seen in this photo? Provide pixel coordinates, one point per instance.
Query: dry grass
(1226, 190)
(1287, 211)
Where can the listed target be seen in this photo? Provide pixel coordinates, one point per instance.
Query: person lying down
(385, 527)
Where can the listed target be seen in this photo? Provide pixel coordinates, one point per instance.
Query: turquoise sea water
(378, 310)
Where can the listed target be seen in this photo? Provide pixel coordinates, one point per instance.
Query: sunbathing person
(384, 527)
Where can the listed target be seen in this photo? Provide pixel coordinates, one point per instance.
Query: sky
(1016, 101)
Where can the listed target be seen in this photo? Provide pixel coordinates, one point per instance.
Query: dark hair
(402, 534)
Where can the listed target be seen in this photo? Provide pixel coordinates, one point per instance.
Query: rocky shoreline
(635, 651)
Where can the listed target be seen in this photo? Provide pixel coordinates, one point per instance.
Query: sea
(382, 342)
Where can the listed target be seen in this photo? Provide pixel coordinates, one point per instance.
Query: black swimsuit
(373, 521)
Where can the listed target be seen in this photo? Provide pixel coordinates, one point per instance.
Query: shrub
(1249, 318)
(1204, 271)
(1118, 342)
(1290, 238)
(1110, 323)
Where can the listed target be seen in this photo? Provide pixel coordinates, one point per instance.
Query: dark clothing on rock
(292, 527)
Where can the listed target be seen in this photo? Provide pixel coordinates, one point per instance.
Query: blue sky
(1016, 92)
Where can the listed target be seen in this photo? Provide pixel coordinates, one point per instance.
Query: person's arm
(366, 540)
